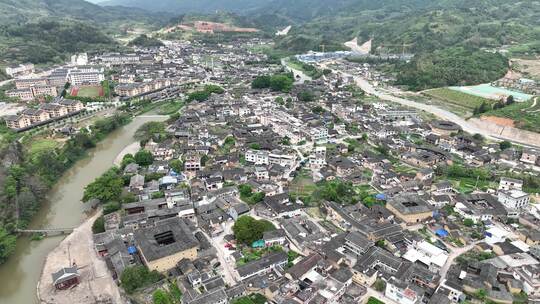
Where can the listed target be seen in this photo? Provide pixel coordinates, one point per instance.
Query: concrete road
(455, 252)
(229, 274)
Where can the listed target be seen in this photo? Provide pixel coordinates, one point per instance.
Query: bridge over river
(46, 232)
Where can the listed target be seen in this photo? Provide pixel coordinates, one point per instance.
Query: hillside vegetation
(421, 25)
(145, 41)
(451, 67)
(48, 31)
(50, 41)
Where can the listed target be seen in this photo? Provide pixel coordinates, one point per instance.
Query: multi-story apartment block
(78, 78)
(55, 110)
(17, 122)
(22, 94)
(36, 115)
(30, 82)
(72, 105)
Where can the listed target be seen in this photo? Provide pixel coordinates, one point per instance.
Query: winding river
(62, 209)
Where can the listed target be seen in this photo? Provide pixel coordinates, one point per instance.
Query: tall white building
(513, 199)
(85, 75)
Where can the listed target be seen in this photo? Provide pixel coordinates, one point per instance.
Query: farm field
(457, 98)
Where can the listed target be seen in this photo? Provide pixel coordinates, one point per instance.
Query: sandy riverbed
(130, 149)
(97, 284)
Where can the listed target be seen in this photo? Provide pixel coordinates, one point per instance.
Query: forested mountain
(191, 6)
(423, 25)
(419, 24)
(46, 31)
(20, 11)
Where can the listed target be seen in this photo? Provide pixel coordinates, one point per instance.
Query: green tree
(175, 292)
(379, 285)
(248, 230)
(505, 145)
(281, 83)
(161, 297)
(154, 130)
(245, 190)
(7, 245)
(468, 222)
(478, 137)
(126, 160)
(481, 294)
(138, 276)
(255, 146)
(317, 110)
(177, 165)
(98, 226)
(111, 207)
(261, 82)
(213, 89)
(144, 158)
(306, 96)
(105, 188)
(198, 96)
(510, 100)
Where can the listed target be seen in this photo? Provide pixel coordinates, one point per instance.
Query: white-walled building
(257, 157)
(513, 199)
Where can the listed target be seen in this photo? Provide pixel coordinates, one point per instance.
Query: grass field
(90, 91)
(170, 108)
(303, 186)
(457, 98)
(40, 145)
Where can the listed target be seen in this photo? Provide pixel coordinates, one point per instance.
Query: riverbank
(130, 149)
(62, 208)
(96, 283)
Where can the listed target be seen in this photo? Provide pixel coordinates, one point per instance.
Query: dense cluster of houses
(419, 235)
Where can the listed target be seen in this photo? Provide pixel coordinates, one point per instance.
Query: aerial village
(268, 184)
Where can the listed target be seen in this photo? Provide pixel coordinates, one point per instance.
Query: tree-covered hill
(451, 67)
(50, 41)
(21, 11)
(422, 25)
(47, 31)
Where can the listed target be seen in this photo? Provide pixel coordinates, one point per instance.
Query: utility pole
(323, 47)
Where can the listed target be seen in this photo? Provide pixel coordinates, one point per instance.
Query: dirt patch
(505, 122)
(96, 283)
(530, 67)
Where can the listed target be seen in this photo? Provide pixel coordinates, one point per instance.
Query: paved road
(218, 243)
(441, 113)
(455, 252)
